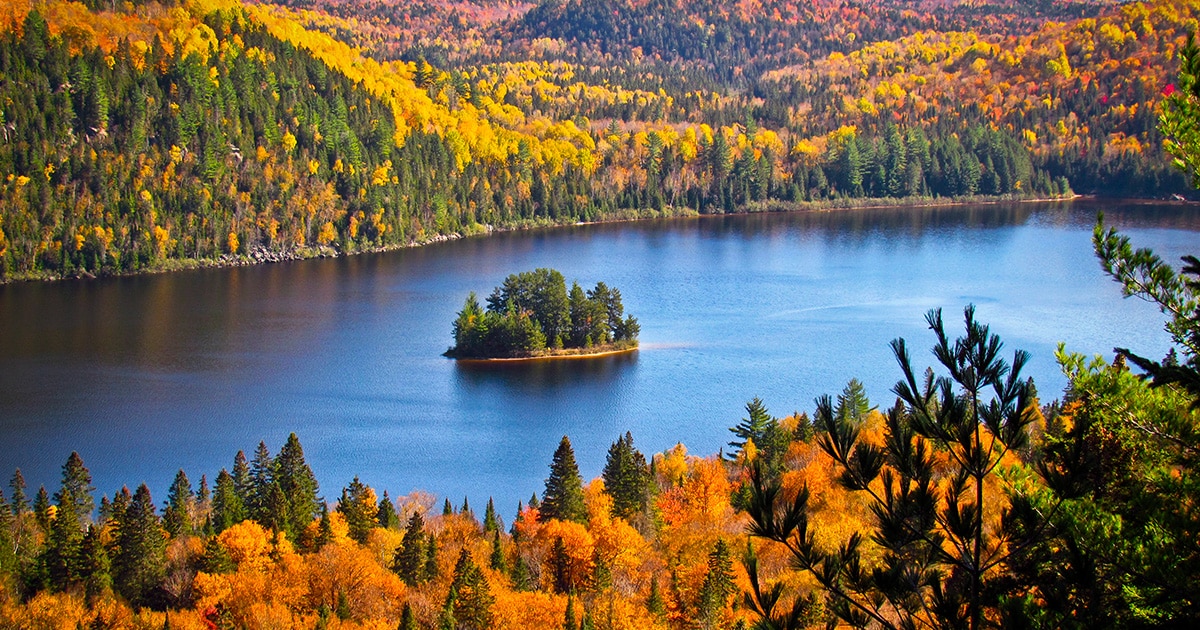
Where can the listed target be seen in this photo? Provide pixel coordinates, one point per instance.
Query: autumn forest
(144, 136)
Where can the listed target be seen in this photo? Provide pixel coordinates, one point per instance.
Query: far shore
(259, 257)
(552, 355)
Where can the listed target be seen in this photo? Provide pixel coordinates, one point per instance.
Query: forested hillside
(152, 135)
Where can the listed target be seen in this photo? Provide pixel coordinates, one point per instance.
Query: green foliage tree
(360, 511)
(491, 522)
(563, 497)
(386, 516)
(177, 515)
(937, 555)
(1179, 121)
(626, 478)
(227, 506)
(139, 562)
(717, 587)
(497, 560)
(470, 599)
(262, 477)
(298, 484)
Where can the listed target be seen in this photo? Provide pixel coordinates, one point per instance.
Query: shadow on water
(539, 376)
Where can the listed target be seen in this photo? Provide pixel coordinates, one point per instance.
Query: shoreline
(547, 357)
(261, 257)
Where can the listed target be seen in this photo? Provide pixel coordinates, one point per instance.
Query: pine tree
(95, 567)
(569, 622)
(626, 478)
(407, 620)
(497, 560)
(431, 562)
(19, 504)
(852, 403)
(563, 497)
(752, 428)
(470, 596)
(409, 559)
(77, 482)
(177, 517)
(262, 478)
(140, 560)
(227, 506)
(358, 506)
(386, 515)
(491, 522)
(298, 484)
(718, 585)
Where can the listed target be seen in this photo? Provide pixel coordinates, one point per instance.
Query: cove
(146, 375)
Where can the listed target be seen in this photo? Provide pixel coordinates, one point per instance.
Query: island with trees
(533, 315)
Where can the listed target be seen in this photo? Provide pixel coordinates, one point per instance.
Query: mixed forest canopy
(532, 314)
(155, 135)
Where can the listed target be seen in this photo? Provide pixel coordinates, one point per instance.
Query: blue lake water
(146, 375)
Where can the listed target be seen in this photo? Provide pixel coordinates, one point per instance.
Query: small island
(533, 316)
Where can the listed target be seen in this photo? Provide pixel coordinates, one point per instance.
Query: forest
(968, 502)
(532, 314)
(161, 135)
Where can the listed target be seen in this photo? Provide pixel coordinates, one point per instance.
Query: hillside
(158, 135)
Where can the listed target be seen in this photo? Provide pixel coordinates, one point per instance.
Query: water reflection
(545, 374)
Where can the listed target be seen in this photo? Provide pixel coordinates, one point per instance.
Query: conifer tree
(61, 555)
(19, 504)
(95, 567)
(431, 562)
(243, 483)
(491, 522)
(497, 561)
(533, 502)
(626, 478)
(275, 510)
(386, 515)
(563, 498)
(77, 483)
(41, 510)
(262, 477)
(8, 558)
(570, 616)
(140, 560)
(470, 597)
(466, 510)
(177, 518)
(522, 577)
(407, 620)
(409, 559)
(324, 528)
(227, 506)
(655, 604)
(298, 484)
(358, 506)
(447, 509)
(717, 586)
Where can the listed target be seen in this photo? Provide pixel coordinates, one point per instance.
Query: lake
(146, 375)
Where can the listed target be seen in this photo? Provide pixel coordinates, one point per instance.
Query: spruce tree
(447, 509)
(466, 510)
(77, 481)
(19, 504)
(359, 509)
(8, 558)
(41, 510)
(324, 528)
(497, 560)
(626, 478)
(491, 522)
(94, 564)
(298, 484)
(227, 506)
(262, 478)
(409, 559)
(408, 621)
(177, 515)
(563, 497)
(385, 516)
(717, 586)
(470, 596)
(431, 562)
(140, 560)
(569, 617)
(654, 603)
(522, 577)
(243, 483)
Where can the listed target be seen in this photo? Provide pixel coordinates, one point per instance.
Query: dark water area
(146, 375)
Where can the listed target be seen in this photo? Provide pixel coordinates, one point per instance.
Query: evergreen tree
(324, 528)
(497, 560)
(140, 559)
(386, 515)
(465, 510)
(243, 483)
(262, 478)
(470, 596)
(358, 506)
(19, 504)
(563, 497)
(407, 620)
(655, 603)
(491, 522)
(718, 585)
(522, 577)
(447, 509)
(431, 562)
(63, 545)
(95, 567)
(41, 510)
(852, 403)
(227, 507)
(77, 483)
(569, 622)
(409, 559)
(177, 515)
(298, 484)
(626, 478)
(752, 428)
